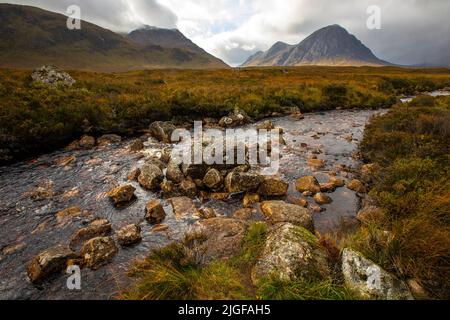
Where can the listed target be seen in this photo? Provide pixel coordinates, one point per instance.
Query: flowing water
(28, 225)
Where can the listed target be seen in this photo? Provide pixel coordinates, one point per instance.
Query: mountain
(330, 46)
(31, 37)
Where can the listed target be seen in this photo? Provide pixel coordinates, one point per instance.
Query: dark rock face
(331, 45)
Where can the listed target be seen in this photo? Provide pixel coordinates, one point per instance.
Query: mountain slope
(330, 46)
(30, 37)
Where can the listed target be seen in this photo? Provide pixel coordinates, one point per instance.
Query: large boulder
(98, 251)
(308, 184)
(50, 261)
(52, 76)
(122, 195)
(129, 235)
(273, 187)
(162, 131)
(291, 253)
(237, 182)
(151, 177)
(280, 211)
(154, 212)
(184, 207)
(370, 280)
(216, 238)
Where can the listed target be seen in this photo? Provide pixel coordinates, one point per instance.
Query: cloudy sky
(413, 31)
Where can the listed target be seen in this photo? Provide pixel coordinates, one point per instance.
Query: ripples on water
(29, 226)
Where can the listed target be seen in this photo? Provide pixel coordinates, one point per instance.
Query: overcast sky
(413, 31)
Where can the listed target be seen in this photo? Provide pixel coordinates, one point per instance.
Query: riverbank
(37, 119)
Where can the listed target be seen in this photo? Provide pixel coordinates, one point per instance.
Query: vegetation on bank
(35, 118)
(171, 274)
(410, 182)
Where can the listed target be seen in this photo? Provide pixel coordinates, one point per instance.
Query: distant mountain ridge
(31, 37)
(329, 46)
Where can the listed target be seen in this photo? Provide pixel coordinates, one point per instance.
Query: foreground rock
(50, 261)
(291, 252)
(150, 177)
(280, 211)
(217, 238)
(370, 280)
(308, 184)
(52, 76)
(122, 195)
(321, 198)
(174, 173)
(162, 131)
(273, 187)
(129, 235)
(236, 118)
(184, 207)
(154, 212)
(213, 179)
(98, 251)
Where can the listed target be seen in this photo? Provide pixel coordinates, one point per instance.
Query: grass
(169, 274)
(36, 119)
(410, 147)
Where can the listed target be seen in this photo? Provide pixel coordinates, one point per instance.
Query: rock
(370, 214)
(280, 211)
(316, 208)
(43, 191)
(250, 199)
(297, 201)
(156, 162)
(86, 142)
(357, 186)
(137, 145)
(188, 188)
(66, 161)
(219, 196)
(98, 228)
(236, 118)
(213, 179)
(208, 213)
(162, 131)
(134, 174)
(216, 239)
(244, 214)
(370, 280)
(195, 171)
(266, 125)
(327, 187)
(297, 116)
(98, 251)
(167, 187)
(237, 182)
(316, 163)
(129, 235)
(273, 187)
(336, 182)
(291, 253)
(174, 173)
(52, 76)
(308, 184)
(321, 198)
(50, 261)
(154, 212)
(122, 195)
(151, 177)
(184, 207)
(65, 216)
(108, 139)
